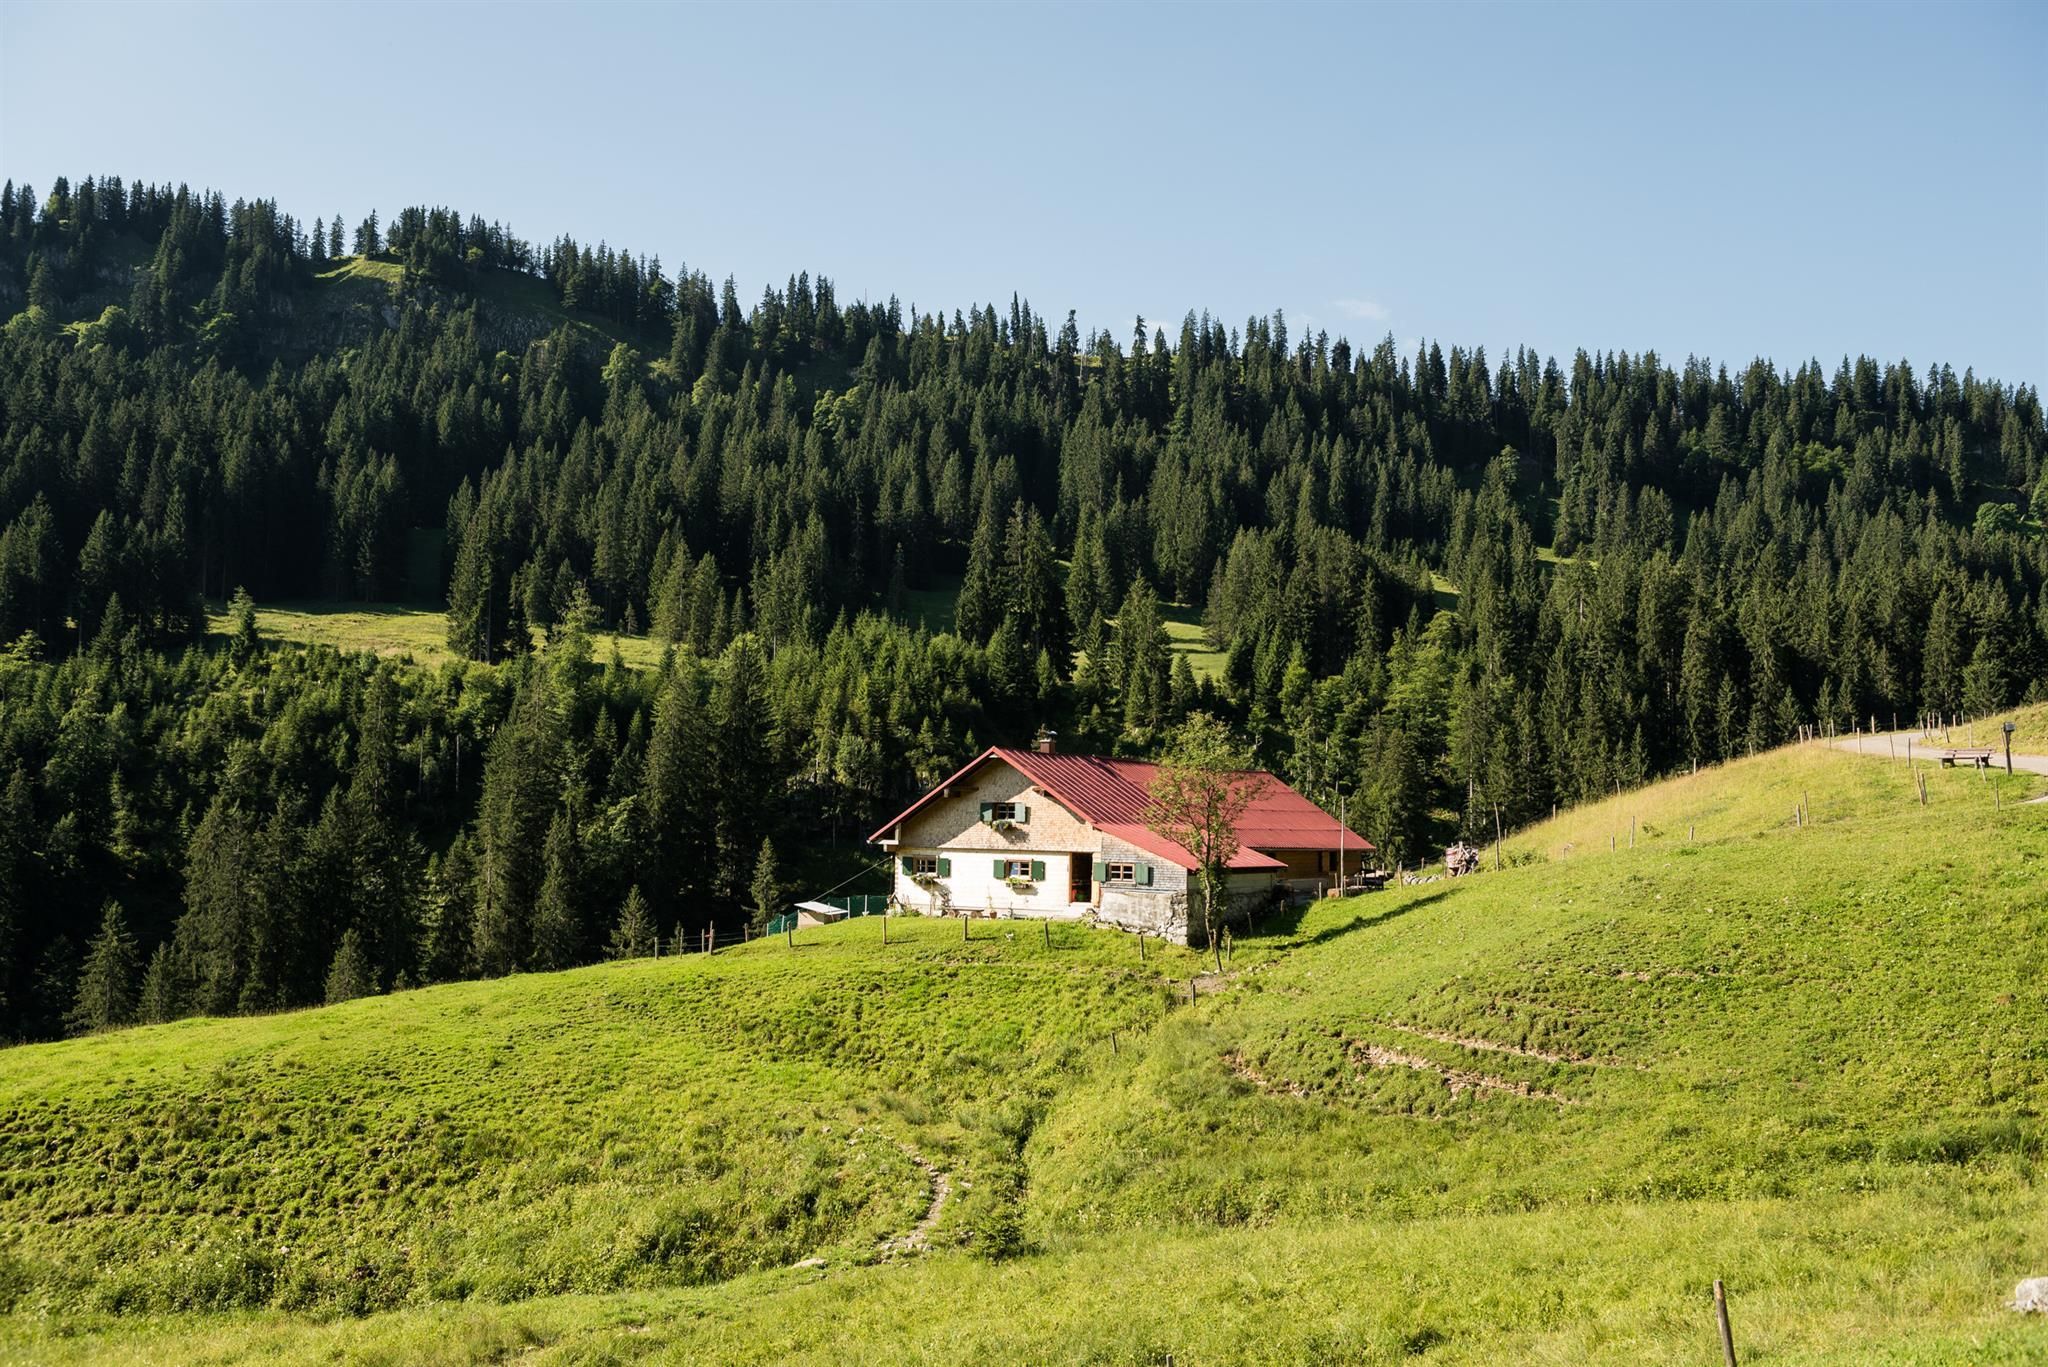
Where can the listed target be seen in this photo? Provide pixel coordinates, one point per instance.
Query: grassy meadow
(419, 632)
(1526, 1116)
(407, 631)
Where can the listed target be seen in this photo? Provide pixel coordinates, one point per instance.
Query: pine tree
(634, 936)
(106, 987)
(350, 975)
(978, 610)
(740, 746)
(476, 604)
(242, 611)
(163, 988)
(522, 783)
(767, 885)
(1032, 589)
(676, 790)
(558, 917)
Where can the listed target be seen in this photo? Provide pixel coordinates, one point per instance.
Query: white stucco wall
(974, 886)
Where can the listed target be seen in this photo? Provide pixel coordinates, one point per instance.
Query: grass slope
(1526, 1116)
(401, 630)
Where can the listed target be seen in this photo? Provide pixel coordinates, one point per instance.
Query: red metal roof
(1112, 795)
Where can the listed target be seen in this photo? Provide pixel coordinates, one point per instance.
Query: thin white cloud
(1370, 310)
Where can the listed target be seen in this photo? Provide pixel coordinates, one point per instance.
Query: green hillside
(403, 630)
(1527, 1116)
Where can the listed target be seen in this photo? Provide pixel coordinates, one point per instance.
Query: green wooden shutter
(1144, 872)
(904, 863)
(1002, 868)
(985, 809)
(1023, 813)
(1038, 870)
(945, 867)
(1102, 870)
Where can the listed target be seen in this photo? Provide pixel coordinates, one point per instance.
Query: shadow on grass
(1286, 926)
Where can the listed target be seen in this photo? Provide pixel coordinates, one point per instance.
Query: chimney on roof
(1045, 741)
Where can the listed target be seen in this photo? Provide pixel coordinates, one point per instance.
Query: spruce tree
(350, 975)
(634, 935)
(242, 612)
(766, 886)
(979, 608)
(163, 988)
(106, 986)
(557, 918)
(522, 783)
(741, 748)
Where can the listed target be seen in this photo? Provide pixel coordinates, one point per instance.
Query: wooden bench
(1951, 758)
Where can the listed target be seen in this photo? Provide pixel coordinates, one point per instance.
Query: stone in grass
(2031, 1295)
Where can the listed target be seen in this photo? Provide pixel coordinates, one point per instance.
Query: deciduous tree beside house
(1199, 795)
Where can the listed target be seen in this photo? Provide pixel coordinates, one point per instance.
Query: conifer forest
(866, 541)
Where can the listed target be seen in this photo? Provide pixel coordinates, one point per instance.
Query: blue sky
(1721, 180)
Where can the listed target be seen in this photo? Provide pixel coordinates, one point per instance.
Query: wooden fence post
(1721, 1316)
